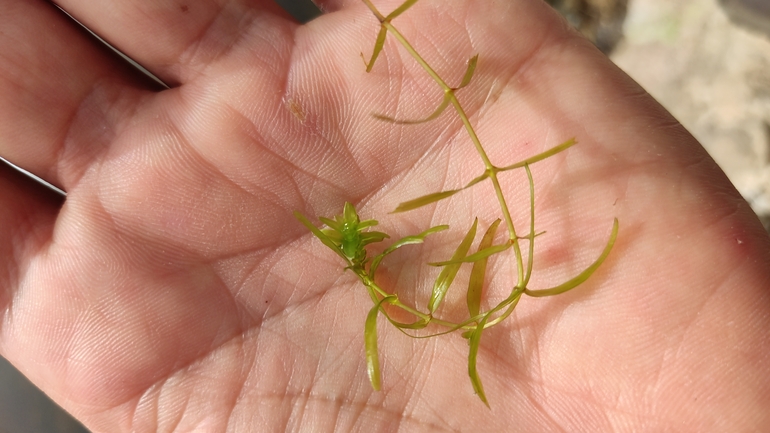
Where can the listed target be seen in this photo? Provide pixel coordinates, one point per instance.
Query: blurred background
(706, 61)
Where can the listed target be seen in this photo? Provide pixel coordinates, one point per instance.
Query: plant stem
(491, 169)
(531, 250)
(369, 283)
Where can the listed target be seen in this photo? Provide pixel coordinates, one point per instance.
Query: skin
(174, 291)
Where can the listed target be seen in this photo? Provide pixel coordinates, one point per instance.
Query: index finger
(173, 39)
(61, 92)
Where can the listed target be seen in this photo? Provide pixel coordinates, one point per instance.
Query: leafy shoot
(348, 236)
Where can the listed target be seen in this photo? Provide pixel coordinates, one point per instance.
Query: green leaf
(541, 156)
(425, 200)
(320, 235)
(583, 276)
(331, 223)
(370, 341)
(334, 235)
(469, 72)
(408, 240)
(401, 9)
(477, 180)
(371, 237)
(415, 239)
(377, 48)
(475, 257)
(349, 214)
(479, 270)
(448, 274)
(475, 339)
(532, 235)
(509, 304)
(419, 324)
(434, 115)
(367, 223)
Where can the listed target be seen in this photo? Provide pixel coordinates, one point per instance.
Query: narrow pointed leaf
(377, 49)
(331, 223)
(370, 341)
(371, 237)
(475, 339)
(367, 223)
(434, 115)
(475, 257)
(419, 324)
(349, 213)
(415, 239)
(401, 9)
(408, 240)
(561, 288)
(425, 200)
(541, 156)
(476, 180)
(332, 234)
(448, 274)
(320, 235)
(531, 237)
(509, 304)
(478, 272)
(469, 71)
(374, 235)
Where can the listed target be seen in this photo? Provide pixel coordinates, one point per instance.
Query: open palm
(174, 291)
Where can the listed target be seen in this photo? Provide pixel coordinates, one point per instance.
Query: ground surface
(714, 76)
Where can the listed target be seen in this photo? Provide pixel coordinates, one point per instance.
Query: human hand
(174, 291)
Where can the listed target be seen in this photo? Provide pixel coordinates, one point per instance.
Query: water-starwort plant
(348, 236)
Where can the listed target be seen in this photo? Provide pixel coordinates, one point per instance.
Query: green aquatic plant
(348, 236)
